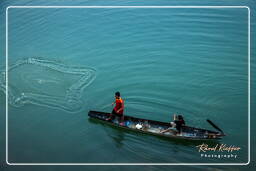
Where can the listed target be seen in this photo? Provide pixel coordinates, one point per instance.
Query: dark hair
(117, 94)
(180, 117)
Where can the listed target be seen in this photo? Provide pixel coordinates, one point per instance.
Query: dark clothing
(114, 115)
(179, 124)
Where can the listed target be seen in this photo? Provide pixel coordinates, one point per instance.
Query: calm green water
(163, 61)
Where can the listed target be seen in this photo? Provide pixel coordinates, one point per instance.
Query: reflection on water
(46, 83)
(118, 138)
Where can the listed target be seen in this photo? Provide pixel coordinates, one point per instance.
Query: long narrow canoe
(157, 127)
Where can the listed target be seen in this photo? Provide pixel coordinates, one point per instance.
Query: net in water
(48, 83)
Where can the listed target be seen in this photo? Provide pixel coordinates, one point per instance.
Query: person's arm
(113, 103)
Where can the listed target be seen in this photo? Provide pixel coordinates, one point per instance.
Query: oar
(215, 126)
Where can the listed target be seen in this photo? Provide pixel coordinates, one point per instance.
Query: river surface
(163, 61)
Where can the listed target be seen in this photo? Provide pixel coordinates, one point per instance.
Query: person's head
(117, 94)
(180, 117)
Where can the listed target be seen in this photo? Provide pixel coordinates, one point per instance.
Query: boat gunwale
(152, 133)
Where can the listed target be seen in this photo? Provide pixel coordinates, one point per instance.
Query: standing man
(118, 109)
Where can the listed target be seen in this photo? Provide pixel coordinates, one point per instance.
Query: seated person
(177, 123)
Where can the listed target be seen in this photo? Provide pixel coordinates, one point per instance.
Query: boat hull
(156, 127)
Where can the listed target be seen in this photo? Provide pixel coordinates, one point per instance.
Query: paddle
(215, 126)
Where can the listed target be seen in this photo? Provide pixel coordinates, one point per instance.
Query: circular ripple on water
(47, 83)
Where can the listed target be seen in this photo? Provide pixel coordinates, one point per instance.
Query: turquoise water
(163, 61)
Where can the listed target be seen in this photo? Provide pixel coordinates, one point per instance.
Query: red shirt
(119, 105)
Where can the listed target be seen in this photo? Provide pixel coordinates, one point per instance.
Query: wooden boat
(157, 127)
